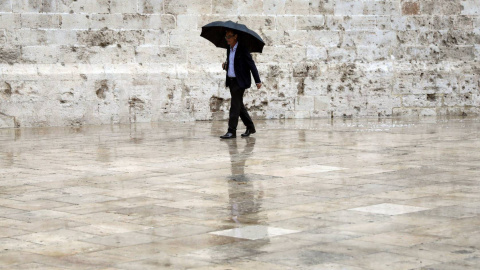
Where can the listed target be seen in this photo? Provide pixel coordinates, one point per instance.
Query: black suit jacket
(243, 65)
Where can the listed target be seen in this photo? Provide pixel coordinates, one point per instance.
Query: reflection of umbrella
(215, 32)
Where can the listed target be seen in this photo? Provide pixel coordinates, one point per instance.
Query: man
(238, 66)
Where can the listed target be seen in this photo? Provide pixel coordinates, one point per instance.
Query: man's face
(231, 38)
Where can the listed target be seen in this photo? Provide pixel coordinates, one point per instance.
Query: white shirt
(231, 58)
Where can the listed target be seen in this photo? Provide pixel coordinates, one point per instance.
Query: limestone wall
(74, 62)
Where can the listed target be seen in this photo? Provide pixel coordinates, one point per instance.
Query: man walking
(238, 66)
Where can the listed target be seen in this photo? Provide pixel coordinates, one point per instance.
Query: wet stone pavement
(299, 194)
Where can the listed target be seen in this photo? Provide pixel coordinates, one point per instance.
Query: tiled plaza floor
(298, 194)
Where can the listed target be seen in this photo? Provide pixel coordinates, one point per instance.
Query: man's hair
(235, 32)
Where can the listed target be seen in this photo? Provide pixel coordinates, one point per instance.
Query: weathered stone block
(456, 111)
(321, 7)
(322, 103)
(3, 37)
(406, 23)
(103, 38)
(384, 23)
(101, 21)
(225, 7)
(187, 22)
(294, 38)
(428, 100)
(304, 103)
(150, 6)
(285, 23)
(464, 83)
(361, 23)
(6, 121)
(10, 55)
(136, 21)
(348, 7)
(457, 53)
(156, 54)
(470, 7)
(442, 7)
(446, 38)
(162, 22)
(297, 7)
(75, 21)
(18, 72)
(83, 6)
(306, 70)
(370, 54)
(407, 38)
(369, 38)
(310, 22)
(176, 7)
(44, 6)
(301, 114)
(45, 21)
(341, 55)
(203, 56)
(316, 53)
(282, 55)
(32, 37)
(156, 37)
(10, 21)
(179, 39)
(410, 8)
(113, 54)
(428, 112)
(5, 6)
(260, 22)
(452, 22)
(122, 6)
(41, 54)
(272, 37)
(274, 7)
(376, 7)
(252, 7)
(324, 38)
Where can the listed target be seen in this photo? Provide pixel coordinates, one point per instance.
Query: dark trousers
(237, 108)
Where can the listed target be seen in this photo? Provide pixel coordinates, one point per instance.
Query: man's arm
(253, 67)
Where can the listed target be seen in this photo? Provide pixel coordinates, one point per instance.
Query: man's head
(232, 37)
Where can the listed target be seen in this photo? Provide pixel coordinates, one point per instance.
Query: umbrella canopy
(215, 33)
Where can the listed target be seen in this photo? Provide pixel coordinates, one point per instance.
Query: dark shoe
(228, 135)
(248, 132)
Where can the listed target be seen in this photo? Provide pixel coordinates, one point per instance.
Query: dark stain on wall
(102, 38)
(431, 97)
(301, 87)
(136, 103)
(347, 71)
(101, 88)
(410, 8)
(10, 55)
(6, 89)
(216, 103)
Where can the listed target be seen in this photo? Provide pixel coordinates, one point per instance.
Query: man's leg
(246, 119)
(235, 106)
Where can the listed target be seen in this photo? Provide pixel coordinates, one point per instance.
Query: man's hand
(224, 65)
(259, 85)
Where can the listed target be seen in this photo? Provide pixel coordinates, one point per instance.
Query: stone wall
(75, 62)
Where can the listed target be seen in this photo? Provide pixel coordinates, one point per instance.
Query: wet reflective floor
(298, 194)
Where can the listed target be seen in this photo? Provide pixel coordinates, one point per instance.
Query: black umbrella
(215, 33)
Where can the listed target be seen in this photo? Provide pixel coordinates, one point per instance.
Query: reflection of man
(238, 159)
(244, 198)
(238, 66)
